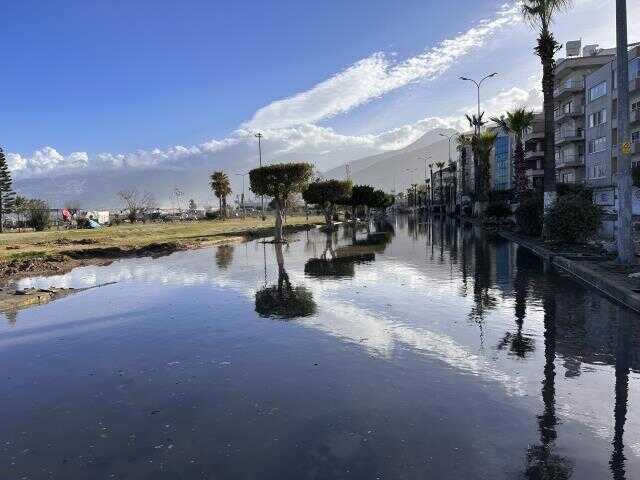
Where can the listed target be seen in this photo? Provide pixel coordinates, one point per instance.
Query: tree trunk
(546, 49)
(279, 237)
(1, 214)
(520, 169)
(328, 217)
(220, 208)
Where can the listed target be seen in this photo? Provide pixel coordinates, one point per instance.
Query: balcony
(568, 135)
(534, 172)
(570, 161)
(532, 154)
(560, 115)
(634, 84)
(634, 116)
(537, 134)
(567, 88)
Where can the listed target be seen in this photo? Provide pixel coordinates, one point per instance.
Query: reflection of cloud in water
(381, 336)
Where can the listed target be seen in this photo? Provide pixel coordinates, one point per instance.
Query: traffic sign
(626, 148)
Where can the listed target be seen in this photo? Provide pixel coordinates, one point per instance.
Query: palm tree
(517, 122)
(483, 147)
(221, 188)
(463, 142)
(454, 185)
(540, 15)
(476, 122)
(440, 166)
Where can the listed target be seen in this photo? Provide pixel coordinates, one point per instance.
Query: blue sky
(91, 84)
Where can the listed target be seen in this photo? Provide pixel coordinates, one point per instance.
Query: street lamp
(259, 137)
(478, 87)
(244, 213)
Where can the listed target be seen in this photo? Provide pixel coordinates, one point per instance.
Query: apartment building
(570, 99)
(601, 134)
(533, 140)
(501, 161)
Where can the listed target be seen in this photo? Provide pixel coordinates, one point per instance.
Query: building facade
(601, 135)
(533, 140)
(570, 98)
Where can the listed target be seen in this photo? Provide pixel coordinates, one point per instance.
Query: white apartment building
(570, 99)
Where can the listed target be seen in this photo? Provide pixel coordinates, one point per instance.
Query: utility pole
(626, 248)
(259, 137)
(244, 213)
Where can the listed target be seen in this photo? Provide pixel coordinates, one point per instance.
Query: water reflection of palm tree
(542, 462)
(622, 392)
(483, 299)
(283, 300)
(224, 256)
(519, 343)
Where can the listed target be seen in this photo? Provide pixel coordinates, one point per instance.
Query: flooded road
(417, 350)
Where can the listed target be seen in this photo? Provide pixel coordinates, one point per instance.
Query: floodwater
(416, 351)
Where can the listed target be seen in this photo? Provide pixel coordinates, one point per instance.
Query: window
(598, 145)
(635, 137)
(567, 107)
(597, 171)
(598, 91)
(598, 118)
(635, 106)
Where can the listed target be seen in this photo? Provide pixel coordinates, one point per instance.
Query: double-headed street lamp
(478, 84)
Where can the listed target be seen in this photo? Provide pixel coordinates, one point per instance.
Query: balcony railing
(573, 112)
(533, 153)
(570, 161)
(568, 135)
(568, 87)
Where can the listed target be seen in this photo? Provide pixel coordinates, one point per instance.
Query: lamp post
(426, 159)
(259, 137)
(478, 84)
(244, 213)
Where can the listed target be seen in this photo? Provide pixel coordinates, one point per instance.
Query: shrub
(499, 209)
(211, 215)
(573, 218)
(38, 214)
(574, 189)
(529, 215)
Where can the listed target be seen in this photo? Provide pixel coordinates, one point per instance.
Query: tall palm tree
(540, 15)
(476, 122)
(221, 188)
(483, 146)
(453, 167)
(463, 141)
(440, 166)
(516, 123)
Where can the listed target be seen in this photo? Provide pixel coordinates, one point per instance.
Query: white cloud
(377, 75)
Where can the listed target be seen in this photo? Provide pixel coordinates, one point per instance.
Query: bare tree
(137, 204)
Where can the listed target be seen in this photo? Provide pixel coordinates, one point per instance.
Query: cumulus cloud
(377, 75)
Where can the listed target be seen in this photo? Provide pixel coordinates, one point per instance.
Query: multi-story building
(533, 140)
(501, 161)
(570, 99)
(601, 133)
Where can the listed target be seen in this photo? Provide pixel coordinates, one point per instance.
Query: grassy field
(56, 243)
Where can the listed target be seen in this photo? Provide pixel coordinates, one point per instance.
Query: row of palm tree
(540, 15)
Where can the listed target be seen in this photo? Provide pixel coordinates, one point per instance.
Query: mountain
(398, 169)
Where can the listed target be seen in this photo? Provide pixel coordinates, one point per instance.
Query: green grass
(52, 244)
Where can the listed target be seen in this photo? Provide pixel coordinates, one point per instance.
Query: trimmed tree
(483, 146)
(221, 186)
(7, 195)
(517, 122)
(280, 181)
(326, 194)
